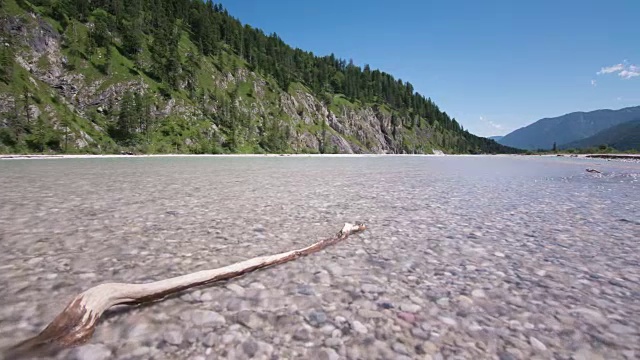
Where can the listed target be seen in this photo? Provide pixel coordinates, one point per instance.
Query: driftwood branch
(76, 323)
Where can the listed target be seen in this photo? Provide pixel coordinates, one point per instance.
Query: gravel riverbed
(487, 257)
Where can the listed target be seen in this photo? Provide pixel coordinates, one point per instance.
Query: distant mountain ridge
(622, 137)
(568, 128)
(495, 138)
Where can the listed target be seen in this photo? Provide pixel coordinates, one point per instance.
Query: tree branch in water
(76, 323)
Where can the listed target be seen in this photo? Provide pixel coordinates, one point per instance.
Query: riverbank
(615, 156)
(110, 156)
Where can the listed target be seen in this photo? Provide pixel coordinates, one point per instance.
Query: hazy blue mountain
(495, 138)
(567, 128)
(623, 137)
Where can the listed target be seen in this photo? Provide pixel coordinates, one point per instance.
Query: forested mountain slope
(184, 76)
(622, 137)
(564, 129)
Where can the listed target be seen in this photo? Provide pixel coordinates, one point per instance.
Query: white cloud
(624, 70)
(628, 74)
(611, 69)
(491, 123)
(594, 83)
(628, 100)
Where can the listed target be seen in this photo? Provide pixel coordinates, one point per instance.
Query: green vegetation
(179, 54)
(566, 129)
(601, 149)
(622, 137)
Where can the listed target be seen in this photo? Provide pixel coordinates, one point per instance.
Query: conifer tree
(6, 64)
(125, 126)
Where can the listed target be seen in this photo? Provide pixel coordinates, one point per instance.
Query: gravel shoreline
(117, 156)
(531, 259)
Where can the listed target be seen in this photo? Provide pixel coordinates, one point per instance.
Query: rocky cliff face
(66, 87)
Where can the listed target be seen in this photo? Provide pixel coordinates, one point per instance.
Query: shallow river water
(494, 257)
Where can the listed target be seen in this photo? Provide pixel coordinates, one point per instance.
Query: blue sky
(493, 65)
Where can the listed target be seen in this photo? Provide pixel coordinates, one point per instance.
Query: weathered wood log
(76, 323)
